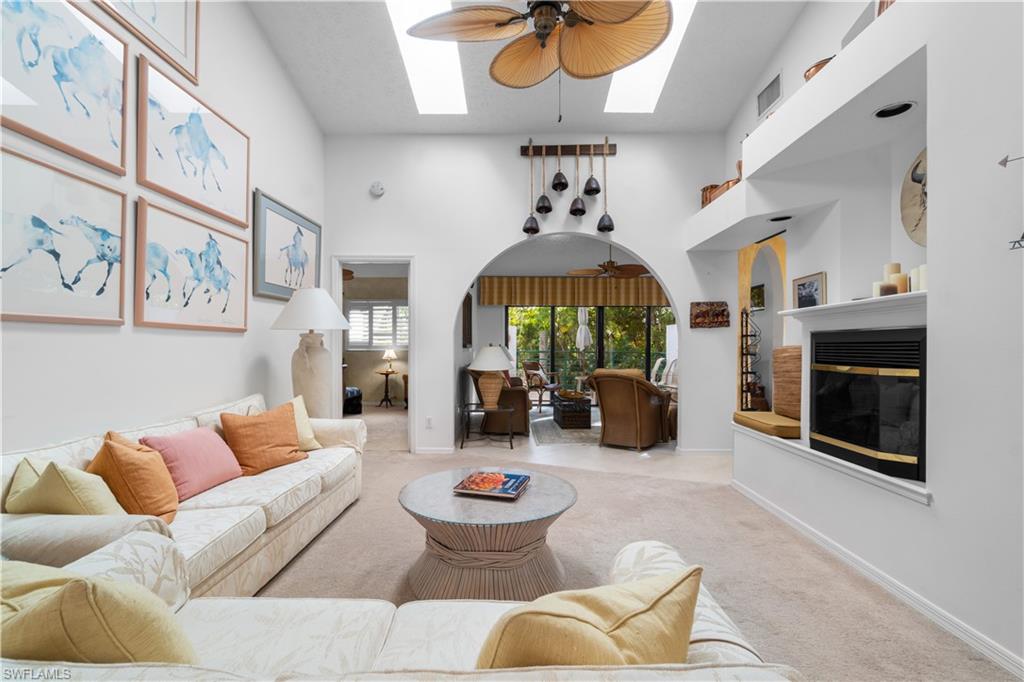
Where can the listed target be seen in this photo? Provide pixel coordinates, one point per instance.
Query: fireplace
(867, 399)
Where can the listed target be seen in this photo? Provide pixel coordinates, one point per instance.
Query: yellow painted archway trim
(746, 257)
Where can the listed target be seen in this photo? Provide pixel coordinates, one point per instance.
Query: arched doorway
(762, 294)
(541, 312)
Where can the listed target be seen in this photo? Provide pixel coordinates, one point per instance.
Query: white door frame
(337, 389)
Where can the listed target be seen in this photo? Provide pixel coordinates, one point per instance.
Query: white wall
(961, 556)
(456, 202)
(65, 381)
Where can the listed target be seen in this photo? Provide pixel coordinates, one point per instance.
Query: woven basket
(786, 362)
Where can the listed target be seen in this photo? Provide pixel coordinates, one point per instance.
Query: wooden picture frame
(287, 229)
(71, 121)
(709, 314)
(168, 174)
(187, 268)
(757, 298)
(814, 289)
(184, 62)
(95, 249)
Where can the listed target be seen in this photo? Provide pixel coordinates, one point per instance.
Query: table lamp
(390, 355)
(312, 309)
(493, 362)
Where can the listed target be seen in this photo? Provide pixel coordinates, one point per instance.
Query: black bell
(605, 224)
(592, 187)
(577, 208)
(531, 226)
(543, 204)
(559, 183)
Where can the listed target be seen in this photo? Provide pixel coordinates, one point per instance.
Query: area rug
(795, 602)
(546, 432)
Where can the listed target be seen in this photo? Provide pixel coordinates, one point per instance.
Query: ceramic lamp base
(490, 384)
(311, 374)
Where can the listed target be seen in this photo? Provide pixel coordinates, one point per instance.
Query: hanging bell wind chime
(531, 226)
(605, 223)
(592, 187)
(543, 202)
(577, 208)
(559, 183)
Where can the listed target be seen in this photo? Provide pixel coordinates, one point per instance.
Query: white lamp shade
(390, 354)
(310, 309)
(491, 359)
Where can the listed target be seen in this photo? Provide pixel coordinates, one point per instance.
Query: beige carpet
(794, 601)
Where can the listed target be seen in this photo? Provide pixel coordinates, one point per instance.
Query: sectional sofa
(234, 537)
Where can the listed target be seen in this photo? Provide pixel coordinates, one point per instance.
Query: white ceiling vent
(769, 96)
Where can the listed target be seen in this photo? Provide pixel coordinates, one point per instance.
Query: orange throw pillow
(263, 441)
(137, 476)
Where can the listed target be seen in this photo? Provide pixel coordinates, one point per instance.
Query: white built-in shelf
(910, 303)
(833, 113)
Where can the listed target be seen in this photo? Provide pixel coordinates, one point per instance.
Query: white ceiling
(555, 254)
(344, 60)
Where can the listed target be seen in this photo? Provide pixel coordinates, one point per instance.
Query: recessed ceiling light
(433, 67)
(890, 110)
(637, 88)
(780, 218)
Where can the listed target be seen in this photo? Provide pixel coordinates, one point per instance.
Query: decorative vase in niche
(311, 374)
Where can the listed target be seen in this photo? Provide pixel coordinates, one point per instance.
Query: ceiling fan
(585, 38)
(610, 268)
(347, 275)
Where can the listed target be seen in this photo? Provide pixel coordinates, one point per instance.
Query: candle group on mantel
(894, 281)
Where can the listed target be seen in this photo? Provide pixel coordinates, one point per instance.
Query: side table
(470, 409)
(386, 373)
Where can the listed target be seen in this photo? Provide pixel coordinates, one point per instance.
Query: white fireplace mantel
(898, 310)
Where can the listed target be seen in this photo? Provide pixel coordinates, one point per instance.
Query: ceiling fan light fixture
(577, 207)
(605, 223)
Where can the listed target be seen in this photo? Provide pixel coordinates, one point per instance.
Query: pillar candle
(887, 289)
(876, 289)
(901, 280)
(922, 275)
(915, 279)
(890, 269)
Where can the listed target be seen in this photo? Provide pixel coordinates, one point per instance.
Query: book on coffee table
(493, 484)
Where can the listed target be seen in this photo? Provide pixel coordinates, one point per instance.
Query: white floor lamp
(312, 309)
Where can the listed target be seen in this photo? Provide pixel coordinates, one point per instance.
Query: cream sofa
(368, 639)
(234, 537)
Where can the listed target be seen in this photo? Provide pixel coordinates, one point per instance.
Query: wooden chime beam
(567, 149)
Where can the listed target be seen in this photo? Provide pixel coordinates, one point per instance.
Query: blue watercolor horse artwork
(193, 145)
(84, 71)
(153, 104)
(206, 269)
(196, 275)
(105, 243)
(298, 260)
(157, 261)
(29, 18)
(38, 236)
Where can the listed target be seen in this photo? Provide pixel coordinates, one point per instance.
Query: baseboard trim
(435, 451)
(710, 451)
(999, 654)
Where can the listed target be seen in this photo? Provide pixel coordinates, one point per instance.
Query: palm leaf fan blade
(525, 62)
(631, 270)
(608, 12)
(585, 272)
(471, 24)
(595, 50)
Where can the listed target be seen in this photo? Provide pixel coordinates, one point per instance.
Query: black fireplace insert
(868, 399)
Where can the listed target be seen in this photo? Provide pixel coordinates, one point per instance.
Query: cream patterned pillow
(41, 487)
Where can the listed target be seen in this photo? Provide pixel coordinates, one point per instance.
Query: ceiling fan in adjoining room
(347, 275)
(585, 38)
(610, 268)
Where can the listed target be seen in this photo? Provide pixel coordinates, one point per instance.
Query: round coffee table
(486, 548)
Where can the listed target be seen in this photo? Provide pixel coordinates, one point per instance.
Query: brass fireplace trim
(867, 452)
(872, 371)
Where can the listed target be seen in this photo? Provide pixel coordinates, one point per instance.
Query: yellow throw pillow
(42, 487)
(644, 622)
(307, 441)
(52, 615)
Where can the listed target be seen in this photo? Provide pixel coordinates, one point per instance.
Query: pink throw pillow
(198, 460)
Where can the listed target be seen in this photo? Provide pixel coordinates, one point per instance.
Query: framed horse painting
(62, 245)
(188, 275)
(64, 81)
(168, 27)
(188, 151)
(286, 249)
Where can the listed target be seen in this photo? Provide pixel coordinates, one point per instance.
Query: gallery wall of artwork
(211, 132)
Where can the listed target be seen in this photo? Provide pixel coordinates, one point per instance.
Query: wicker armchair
(634, 412)
(540, 381)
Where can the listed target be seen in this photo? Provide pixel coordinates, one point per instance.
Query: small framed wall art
(286, 249)
(709, 314)
(62, 240)
(756, 298)
(64, 81)
(188, 151)
(168, 27)
(811, 290)
(188, 275)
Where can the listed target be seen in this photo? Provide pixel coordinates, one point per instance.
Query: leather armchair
(513, 395)
(634, 412)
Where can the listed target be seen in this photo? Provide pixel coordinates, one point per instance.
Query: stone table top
(431, 497)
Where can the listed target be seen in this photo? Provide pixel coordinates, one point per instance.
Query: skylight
(433, 67)
(637, 88)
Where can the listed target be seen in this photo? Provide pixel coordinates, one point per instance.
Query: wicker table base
(499, 552)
